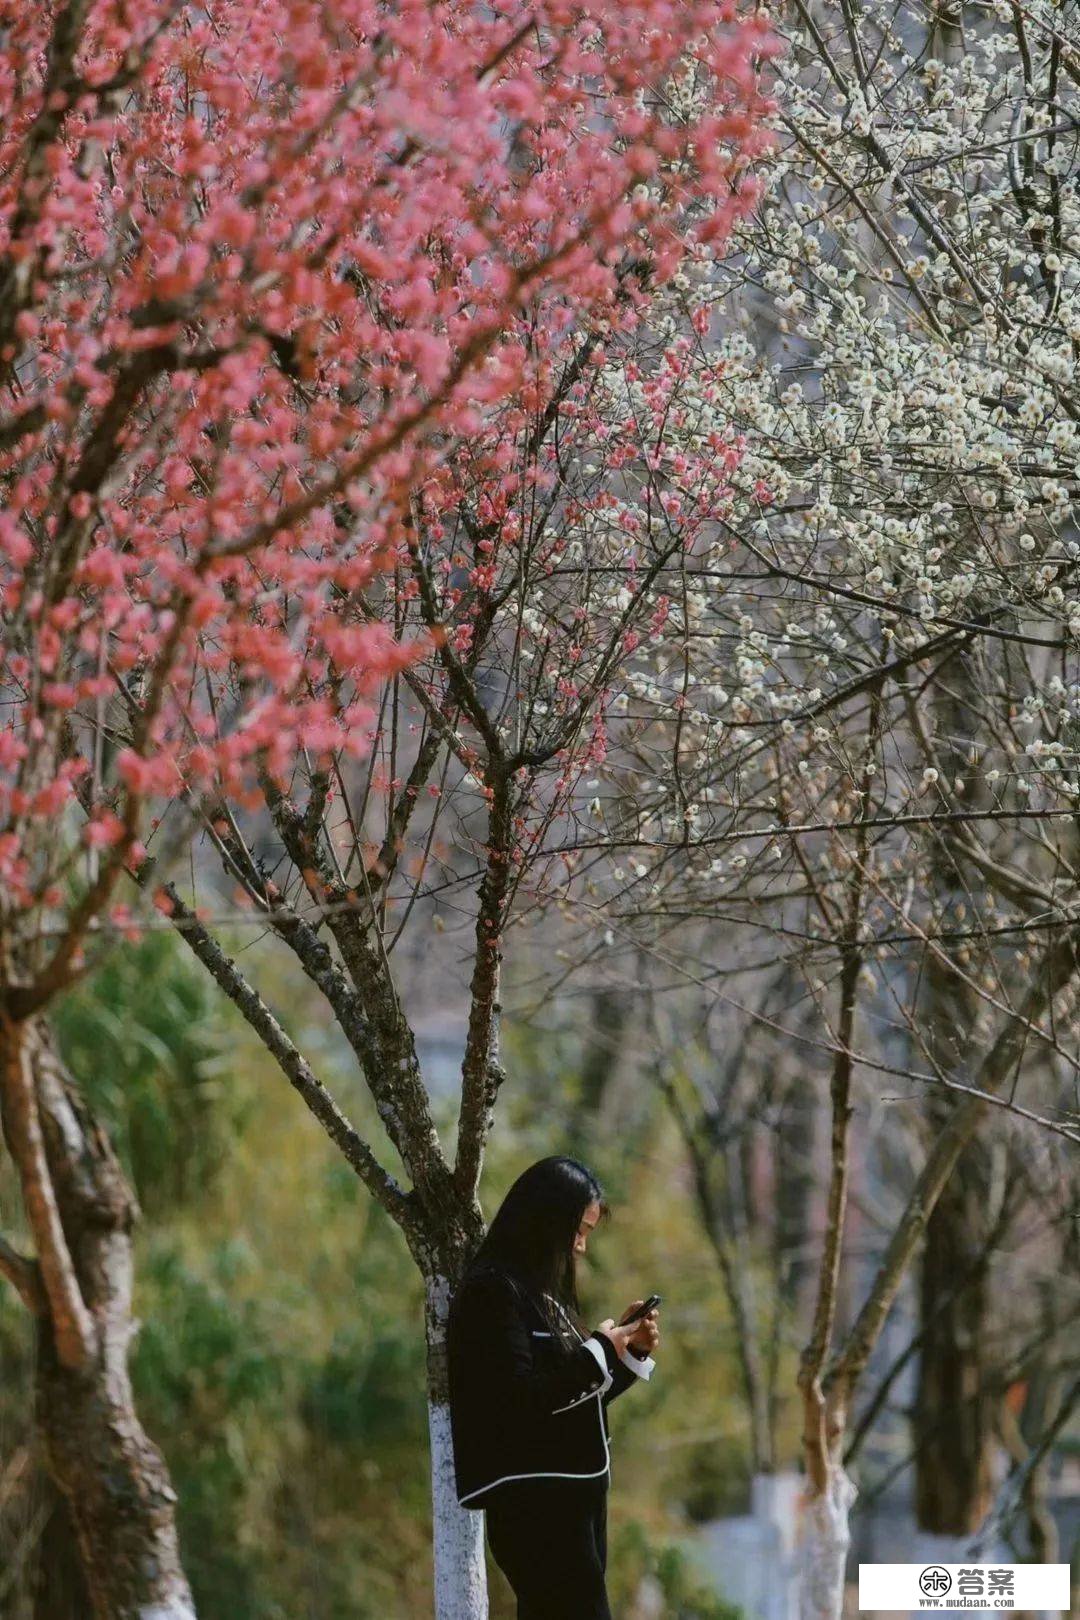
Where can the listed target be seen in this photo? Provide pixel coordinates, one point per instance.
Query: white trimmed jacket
(521, 1405)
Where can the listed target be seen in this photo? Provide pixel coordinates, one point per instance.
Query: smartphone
(653, 1300)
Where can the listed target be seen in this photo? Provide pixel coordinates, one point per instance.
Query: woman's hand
(646, 1332)
(640, 1338)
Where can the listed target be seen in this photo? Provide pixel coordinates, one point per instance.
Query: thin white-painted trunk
(460, 1571)
(824, 1543)
(458, 1533)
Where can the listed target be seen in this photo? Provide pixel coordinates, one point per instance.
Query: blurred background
(279, 1358)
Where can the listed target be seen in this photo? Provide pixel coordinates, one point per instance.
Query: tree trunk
(610, 1023)
(795, 1172)
(823, 1547)
(954, 1406)
(460, 1569)
(953, 1419)
(113, 1477)
(117, 1488)
(59, 1584)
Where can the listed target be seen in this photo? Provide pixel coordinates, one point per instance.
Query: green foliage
(147, 1042)
(204, 1351)
(716, 1479)
(364, 1390)
(278, 1452)
(636, 1556)
(207, 1373)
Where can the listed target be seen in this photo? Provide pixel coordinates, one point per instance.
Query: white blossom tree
(858, 737)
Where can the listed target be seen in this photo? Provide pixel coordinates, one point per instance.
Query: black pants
(549, 1538)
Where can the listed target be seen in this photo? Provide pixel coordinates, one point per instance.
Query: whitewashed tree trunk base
(826, 1537)
(460, 1570)
(180, 1609)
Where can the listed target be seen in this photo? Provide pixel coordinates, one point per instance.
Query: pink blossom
(325, 292)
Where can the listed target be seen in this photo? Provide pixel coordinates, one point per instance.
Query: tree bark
(954, 1405)
(112, 1476)
(953, 1418)
(794, 1179)
(59, 1585)
(460, 1568)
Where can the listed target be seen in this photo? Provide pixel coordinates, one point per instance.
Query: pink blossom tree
(300, 309)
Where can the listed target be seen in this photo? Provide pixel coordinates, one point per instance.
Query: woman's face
(588, 1220)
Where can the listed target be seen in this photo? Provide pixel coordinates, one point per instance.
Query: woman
(529, 1389)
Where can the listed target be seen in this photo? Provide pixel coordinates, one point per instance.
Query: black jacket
(522, 1405)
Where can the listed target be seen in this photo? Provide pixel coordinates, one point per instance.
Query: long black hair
(532, 1234)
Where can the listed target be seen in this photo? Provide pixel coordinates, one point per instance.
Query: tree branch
(480, 1075)
(290, 1060)
(73, 1326)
